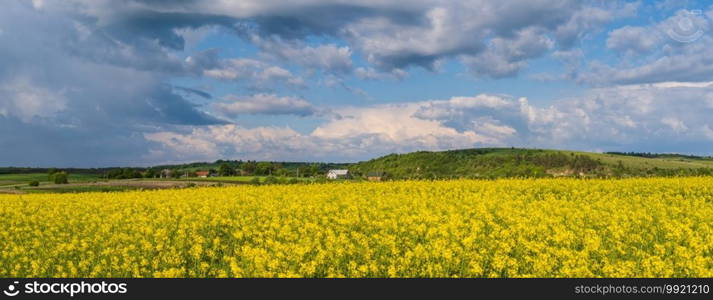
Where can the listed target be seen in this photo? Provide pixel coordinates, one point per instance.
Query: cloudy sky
(141, 82)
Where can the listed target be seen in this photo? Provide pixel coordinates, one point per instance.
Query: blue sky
(138, 82)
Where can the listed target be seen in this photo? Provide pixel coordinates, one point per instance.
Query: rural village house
(375, 176)
(338, 174)
(204, 174)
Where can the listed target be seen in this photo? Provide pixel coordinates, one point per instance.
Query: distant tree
(60, 178)
(303, 171)
(150, 173)
(111, 174)
(249, 167)
(309, 170)
(277, 166)
(226, 170)
(129, 173)
(51, 172)
(281, 172)
(314, 169)
(264, 168)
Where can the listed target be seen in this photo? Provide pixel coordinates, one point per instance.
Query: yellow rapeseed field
(461, 228)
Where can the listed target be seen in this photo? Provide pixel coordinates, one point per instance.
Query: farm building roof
(339, 172)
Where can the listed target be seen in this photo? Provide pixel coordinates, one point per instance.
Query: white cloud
(351, 134)
(707, 132)
(211, 142)
(328, 57)
(26, 100)
(666, 117)
(255, 72)
(506, 56)
(395, 126)
(38, 4)
(633, 40)
(677, 125)
(586, 20)
(373, 74)
(679, 48)
(267, 104)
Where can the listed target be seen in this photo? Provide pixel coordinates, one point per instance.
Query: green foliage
(34, 183)
(309, 170)
(282, 172)
(177, 173)
(249, 167)
(226, 169)
(512, 162)
(271, 180)
(15, 179)
(469, 163)
(476, 163)
(50, 173)
(255, 180)
(151, 173)
(264, 168)
(124, 173)
(60, 178)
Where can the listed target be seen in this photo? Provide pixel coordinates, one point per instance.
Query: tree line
(222, 168)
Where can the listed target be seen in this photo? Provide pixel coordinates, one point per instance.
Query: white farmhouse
(337, 174)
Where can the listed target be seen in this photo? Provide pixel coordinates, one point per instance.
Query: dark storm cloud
(301, 22)
(69, 98)
(392, 35)
(159, 26)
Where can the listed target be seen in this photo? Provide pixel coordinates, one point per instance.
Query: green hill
(515, 162)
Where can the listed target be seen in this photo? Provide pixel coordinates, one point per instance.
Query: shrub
(51, 172)
(34, 183)
(271, 180)
(60, 178)
(255, 180)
